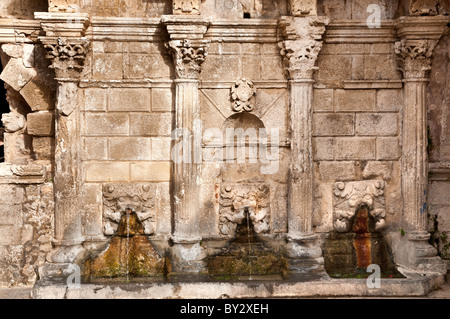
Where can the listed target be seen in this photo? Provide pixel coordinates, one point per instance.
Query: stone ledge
(439, 171)
(372, 84)
(415, 285)
(356, 31)
(19, 31)
(22, 174)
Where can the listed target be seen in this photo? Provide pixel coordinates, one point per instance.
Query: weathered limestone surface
(300, 49)
(414, 58)
(358, 110)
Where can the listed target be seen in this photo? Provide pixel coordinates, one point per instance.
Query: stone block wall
(439, 148)
(125, 109)
(357, 123)
(126, 125)
(26, 225)
(29, 127)
(227, 63)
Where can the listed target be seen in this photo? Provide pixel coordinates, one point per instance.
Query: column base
(68, 252)
(188, 260)
(424, 257)
(65, 261)
(304, 255)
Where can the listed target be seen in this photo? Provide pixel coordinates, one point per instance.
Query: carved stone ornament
(424, 7)
(300, 57)
(188, 56)
(13, 122)
(137, 197)
(301, 45)
(28, 170)
(62, 6)
(67, 54)
(414, 57)
(241, 93)
(352, 195)
(186, 7)
(238, 199)
(303, 7)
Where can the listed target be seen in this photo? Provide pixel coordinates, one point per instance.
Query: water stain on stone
(130, 253)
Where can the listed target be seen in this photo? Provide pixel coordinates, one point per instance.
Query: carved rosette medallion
(241, 93)
(67, 56)
(239, 201)
(139, 198)
(414, 57)
(188, 56)
(350, 196)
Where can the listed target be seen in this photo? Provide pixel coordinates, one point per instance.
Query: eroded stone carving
(62, 5)
(424, 7)
(241, 93)
(188, 56)
(13, 122)
(303, 7)
(352, 195)
(300, 57)
(302, 44)
(186, 6)
(137, 197)
(237, 200)
(28, 170)
(67, 53)
(414, 57)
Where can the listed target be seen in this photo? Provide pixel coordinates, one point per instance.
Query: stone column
(66, 48)
(300, 49)
(419, 36)
(188, 50)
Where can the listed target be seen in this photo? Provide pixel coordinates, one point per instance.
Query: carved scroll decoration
(349, 196)
(139, 198)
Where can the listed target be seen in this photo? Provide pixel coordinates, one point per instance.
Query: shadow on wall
(23, 9)
(4, 108)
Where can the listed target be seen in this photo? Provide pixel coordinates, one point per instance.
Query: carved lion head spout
(119, 199)
(240, 201)
(351, 196)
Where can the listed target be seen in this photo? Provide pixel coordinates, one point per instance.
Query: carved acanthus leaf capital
(300, 57)
(188, 56)
(414, 57)
(67, 55)
(302, 44)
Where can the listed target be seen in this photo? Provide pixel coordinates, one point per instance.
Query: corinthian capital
(188, 56)
(414, 57)
(301, 45)
(67, 55)
(300, 57)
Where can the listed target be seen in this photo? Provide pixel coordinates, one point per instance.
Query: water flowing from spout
(128, 212)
